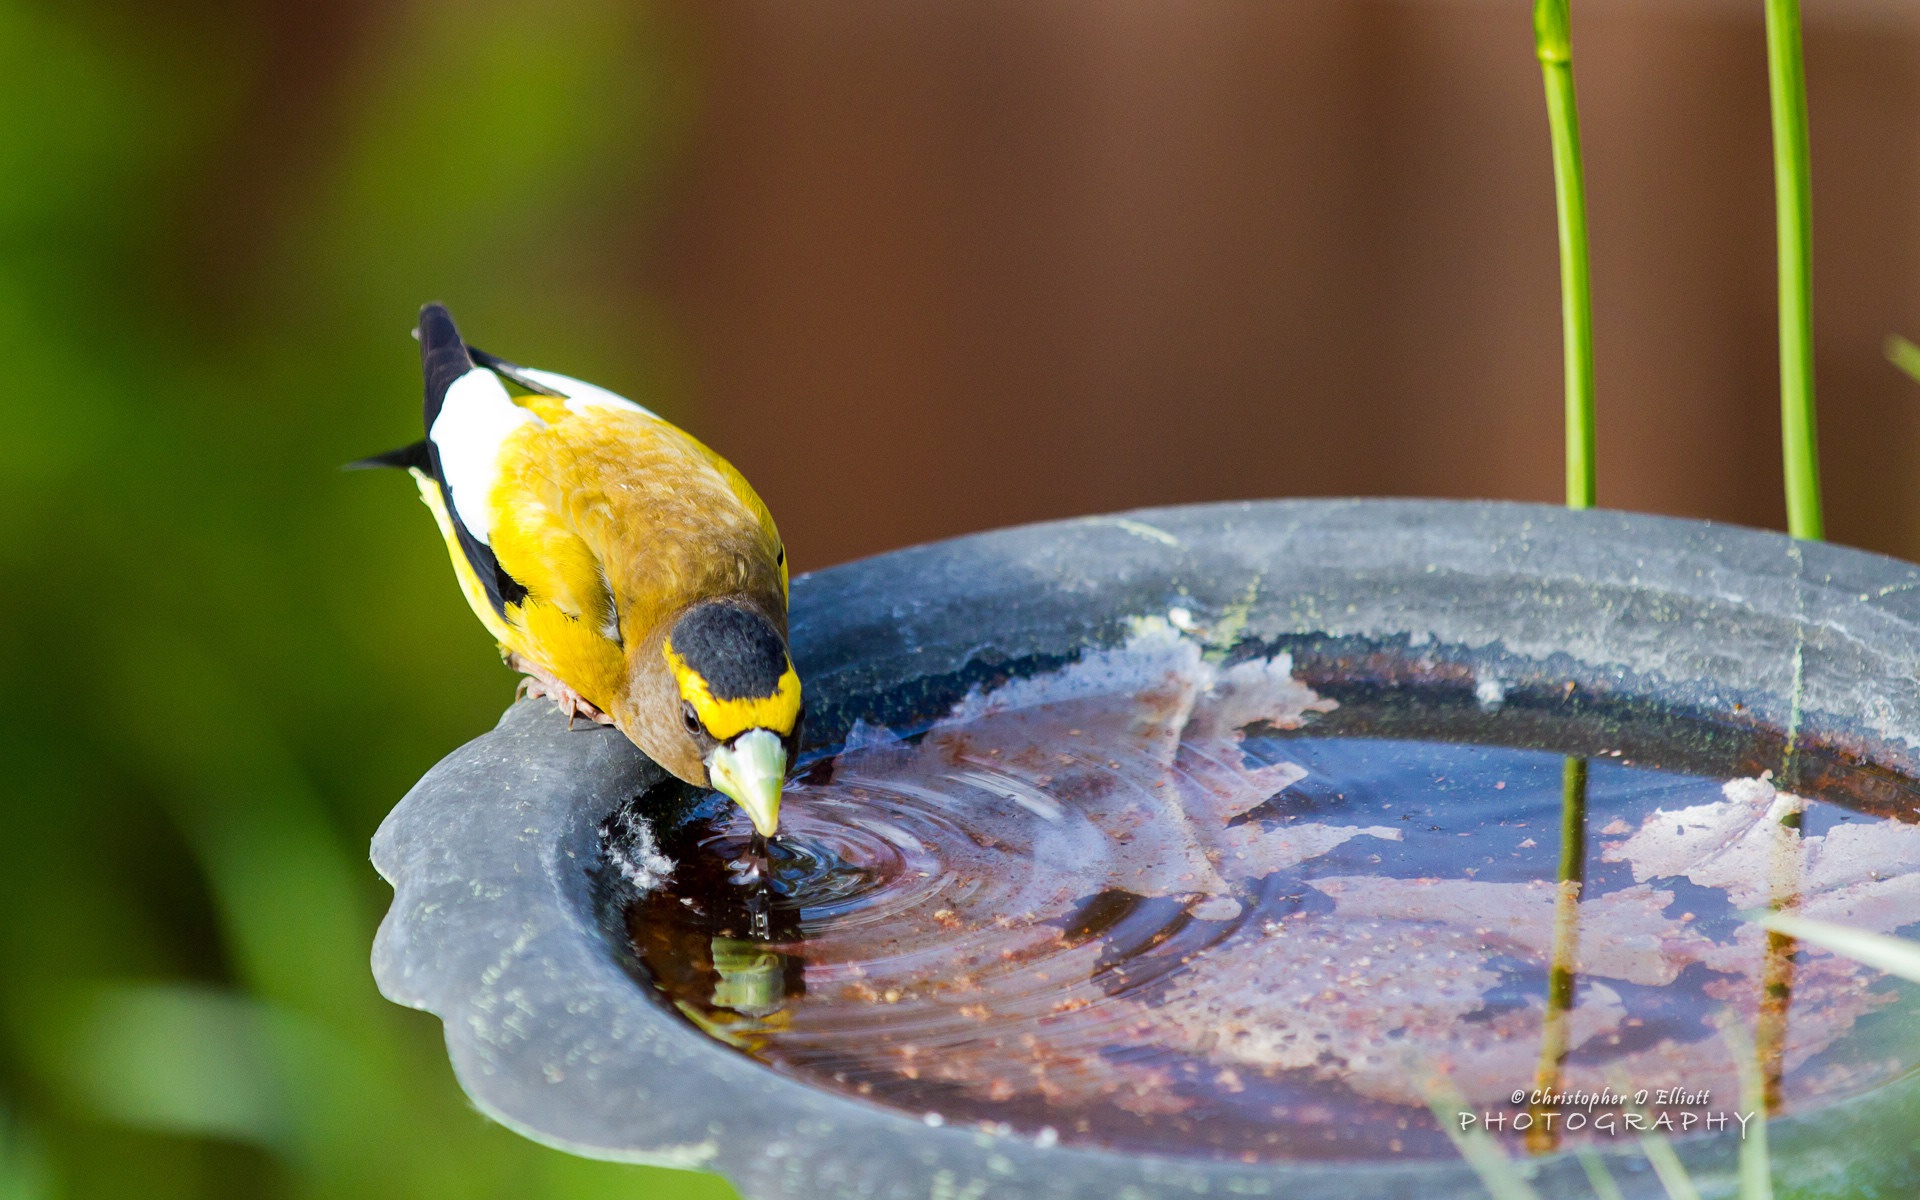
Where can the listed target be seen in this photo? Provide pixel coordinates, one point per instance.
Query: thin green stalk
(1553, 42)
(1793, 212)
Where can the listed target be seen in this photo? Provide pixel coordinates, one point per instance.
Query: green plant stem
(1553, 42)
(1793, 211)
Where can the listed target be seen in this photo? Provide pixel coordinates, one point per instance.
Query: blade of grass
(1498, 1174)
(1659, 1152)
(1895, 956)
(1905, 355)
(1666, 1164)
(1553, 43)
(1793, 212)
(1598, 1177)
(1756, 1178)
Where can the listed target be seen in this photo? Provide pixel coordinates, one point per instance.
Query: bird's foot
(537, 681)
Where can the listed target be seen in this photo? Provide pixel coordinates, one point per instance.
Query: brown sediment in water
(1141, 902)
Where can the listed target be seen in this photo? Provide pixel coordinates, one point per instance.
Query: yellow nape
(727, 718)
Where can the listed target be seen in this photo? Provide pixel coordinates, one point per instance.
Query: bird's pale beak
(750, 769)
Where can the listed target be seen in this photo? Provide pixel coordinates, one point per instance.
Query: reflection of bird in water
(751, 986)
(718, 942)
(628, 570)
(749, 978)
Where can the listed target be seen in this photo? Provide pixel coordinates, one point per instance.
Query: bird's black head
(733, 671)
(740, 701)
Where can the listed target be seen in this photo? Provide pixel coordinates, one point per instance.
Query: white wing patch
(474, 421)
(582, 395)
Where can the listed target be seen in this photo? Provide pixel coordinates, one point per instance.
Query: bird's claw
(536, 681)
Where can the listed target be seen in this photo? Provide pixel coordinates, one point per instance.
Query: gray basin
(498, 924)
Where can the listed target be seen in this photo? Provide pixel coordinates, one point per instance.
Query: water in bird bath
(1166, 900)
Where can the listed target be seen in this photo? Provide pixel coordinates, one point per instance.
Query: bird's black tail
(443, 356)
(416, 457)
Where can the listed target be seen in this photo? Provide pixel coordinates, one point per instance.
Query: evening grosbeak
(630, 572)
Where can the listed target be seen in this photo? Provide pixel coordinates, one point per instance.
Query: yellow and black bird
(630, 572)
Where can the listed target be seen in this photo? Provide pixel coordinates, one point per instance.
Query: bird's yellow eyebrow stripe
(726, 718)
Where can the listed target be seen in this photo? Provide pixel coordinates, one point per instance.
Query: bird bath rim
(496, 928)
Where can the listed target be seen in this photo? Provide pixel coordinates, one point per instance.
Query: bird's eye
(688, 717)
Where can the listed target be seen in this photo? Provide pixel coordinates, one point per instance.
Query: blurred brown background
(930, 268)
(949, 266)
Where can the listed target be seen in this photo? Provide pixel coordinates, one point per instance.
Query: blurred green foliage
(226, 659)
